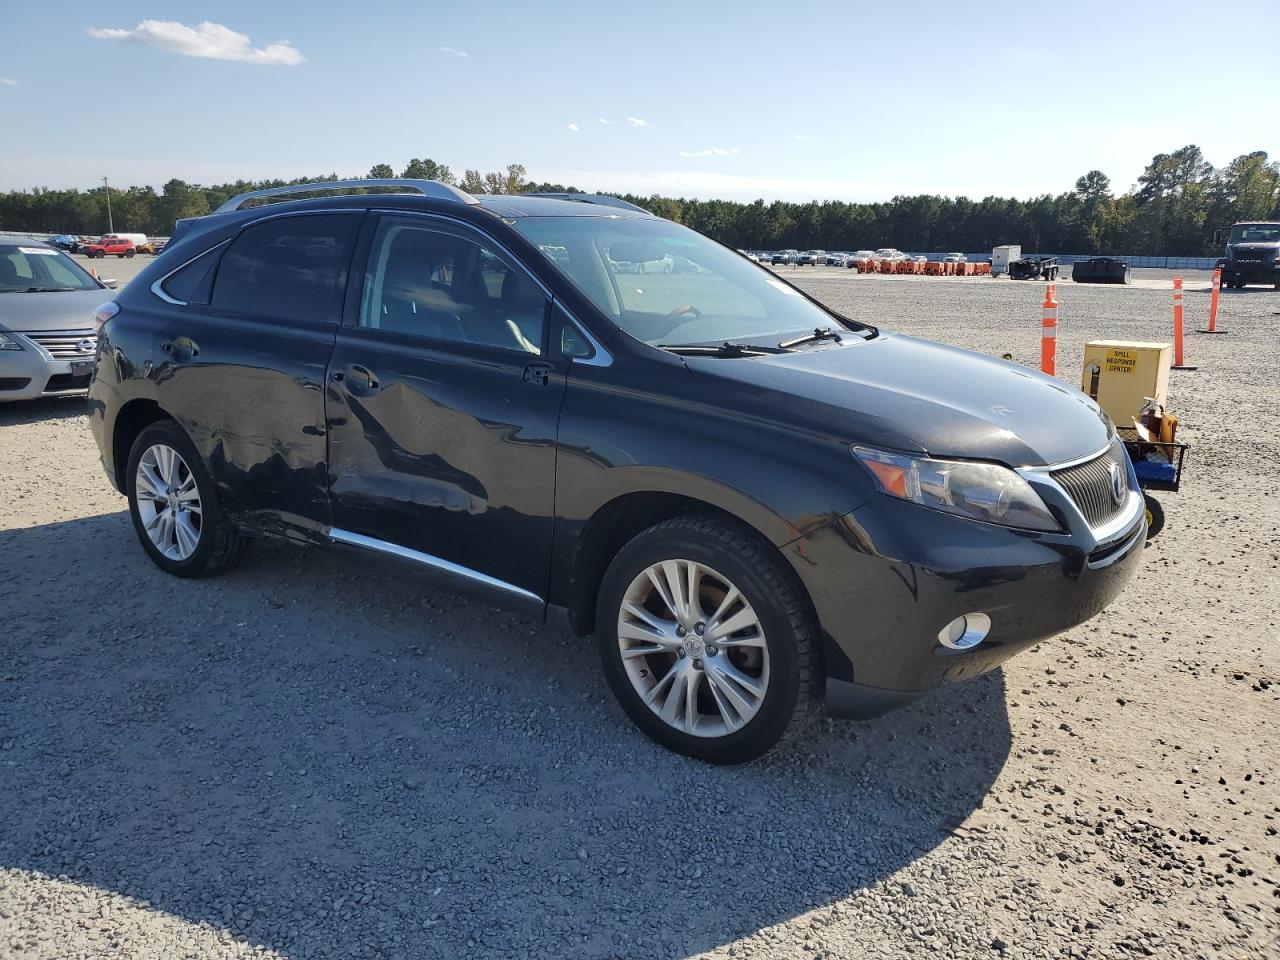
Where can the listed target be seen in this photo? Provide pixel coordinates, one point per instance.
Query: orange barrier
(1049, 331)
(934, 269)
(1177, 326)
(982, 269)
(967, 268)
(1213, 303)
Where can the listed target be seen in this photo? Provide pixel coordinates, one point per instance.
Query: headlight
(979, 491)
(8, 343)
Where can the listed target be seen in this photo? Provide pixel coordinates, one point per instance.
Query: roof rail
(427, 188)
(603, 199)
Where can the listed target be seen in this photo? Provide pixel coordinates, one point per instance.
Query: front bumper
(33, 372)
(1250, 272)
(885, 578)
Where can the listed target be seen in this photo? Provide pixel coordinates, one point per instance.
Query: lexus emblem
(85, 346)
(1119, 483)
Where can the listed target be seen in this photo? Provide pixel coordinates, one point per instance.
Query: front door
(443, 405)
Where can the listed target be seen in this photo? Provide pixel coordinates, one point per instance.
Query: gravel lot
(305, 759)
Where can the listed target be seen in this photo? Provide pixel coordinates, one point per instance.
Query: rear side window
(290, 268)
(190, 283)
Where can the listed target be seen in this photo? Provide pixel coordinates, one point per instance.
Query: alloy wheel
(693, 648)
(168, 502)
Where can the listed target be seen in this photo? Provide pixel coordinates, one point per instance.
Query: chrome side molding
(434, 563)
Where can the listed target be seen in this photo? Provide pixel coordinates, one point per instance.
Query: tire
(775, 651)
(1155, 516)
(128, 253)
(218, 545)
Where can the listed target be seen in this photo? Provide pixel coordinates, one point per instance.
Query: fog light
(965, 632)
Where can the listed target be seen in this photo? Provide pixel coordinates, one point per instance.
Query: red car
(116, 245)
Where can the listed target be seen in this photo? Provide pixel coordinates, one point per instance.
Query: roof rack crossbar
(603, 199)
(427, 188)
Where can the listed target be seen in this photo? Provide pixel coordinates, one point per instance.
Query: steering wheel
(692, 312)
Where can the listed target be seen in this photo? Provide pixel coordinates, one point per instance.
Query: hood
(37, 312)
(1256, 245)
(909, 394)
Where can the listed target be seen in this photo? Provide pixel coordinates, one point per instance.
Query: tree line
(1177, 207)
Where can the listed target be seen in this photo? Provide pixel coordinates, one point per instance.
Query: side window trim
(355, 300)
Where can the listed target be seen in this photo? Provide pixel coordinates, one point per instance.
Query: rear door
(242, 358)
(443, 407)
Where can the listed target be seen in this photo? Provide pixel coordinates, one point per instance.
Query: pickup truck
(1253, 254)
(118, 246)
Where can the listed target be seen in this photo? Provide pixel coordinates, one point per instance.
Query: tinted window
(292, 268)
(191, 283)
(438, 283)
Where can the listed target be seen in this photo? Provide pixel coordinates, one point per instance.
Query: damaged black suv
(758, 507)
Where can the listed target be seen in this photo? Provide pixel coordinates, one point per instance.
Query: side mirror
(111, 284)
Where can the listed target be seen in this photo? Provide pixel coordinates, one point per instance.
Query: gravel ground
(304, 759)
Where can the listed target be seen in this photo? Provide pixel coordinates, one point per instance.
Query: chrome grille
(66, 345)
(1089, 485)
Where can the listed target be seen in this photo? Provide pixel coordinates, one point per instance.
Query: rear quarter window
(190, 282)
(289, 268)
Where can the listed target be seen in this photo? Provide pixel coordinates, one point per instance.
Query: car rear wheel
(174, 506)
(705, 641)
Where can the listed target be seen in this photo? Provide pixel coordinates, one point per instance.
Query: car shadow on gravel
(325, 761)
(35, 411)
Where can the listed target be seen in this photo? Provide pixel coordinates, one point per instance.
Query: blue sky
(738, 99)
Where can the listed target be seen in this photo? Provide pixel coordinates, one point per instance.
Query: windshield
(1255, 233)
(665, 284)
(24, 268)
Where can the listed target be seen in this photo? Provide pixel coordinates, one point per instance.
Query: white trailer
(1001, 257)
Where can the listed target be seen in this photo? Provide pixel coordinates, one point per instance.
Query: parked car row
(113, 244)
(834, 258)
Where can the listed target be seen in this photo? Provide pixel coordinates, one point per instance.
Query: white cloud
(711, 152)
(8, 82)
(607, 123)
(803, 136)
(637, 121)
(453, 52)
(572, 127)
(209, 40)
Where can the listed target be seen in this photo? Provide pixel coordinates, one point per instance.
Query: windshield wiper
(49, 289)
(726, 349)
(821, 333)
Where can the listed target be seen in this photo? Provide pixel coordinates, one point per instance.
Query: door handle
(537, 374)
(359, 379)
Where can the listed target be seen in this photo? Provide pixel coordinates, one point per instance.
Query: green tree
(381, 171)
(427, 169)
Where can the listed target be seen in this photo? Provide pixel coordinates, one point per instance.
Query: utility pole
(111, 227)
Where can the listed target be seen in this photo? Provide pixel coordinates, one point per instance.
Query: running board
(453, 574)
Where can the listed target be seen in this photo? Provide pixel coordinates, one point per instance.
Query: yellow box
(1121, 374)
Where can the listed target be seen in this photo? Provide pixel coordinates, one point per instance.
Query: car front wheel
(706, 642)
(174, 506)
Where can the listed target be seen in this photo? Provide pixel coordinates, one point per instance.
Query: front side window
(667, 285)
(289, 268)
(40, 269)
(431, 281)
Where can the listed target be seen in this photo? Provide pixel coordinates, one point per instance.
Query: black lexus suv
(758, 506)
